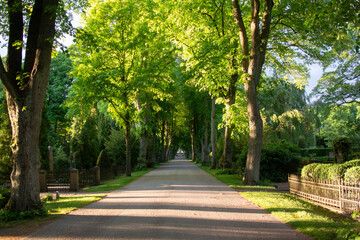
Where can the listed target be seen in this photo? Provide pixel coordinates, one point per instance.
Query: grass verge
(235, 181)
(117, 183)
(303, 215)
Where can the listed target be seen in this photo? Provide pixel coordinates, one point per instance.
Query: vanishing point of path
(176, 201)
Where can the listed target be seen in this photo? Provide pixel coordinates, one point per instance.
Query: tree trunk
(127, 141)
(25, 92)
(252, 169)
(213, 134)
(192, 135)
(25, 148)
(143, 133)
(162, 141)
(252, 66)
(226, 158)
(205, 147)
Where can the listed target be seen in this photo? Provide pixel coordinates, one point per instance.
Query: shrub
(61, 160)
(352, 174)
(336, 171)
(352, 163)
(277, 161)
(315, 151)
(308, 170)
(4, 196)
(226, 171)
(321, 171)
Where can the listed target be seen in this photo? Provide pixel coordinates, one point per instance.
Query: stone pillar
(96, 170)
(42, 181)
(74, 180)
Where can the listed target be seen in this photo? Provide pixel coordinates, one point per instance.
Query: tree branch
(11, 88)
(33, 36)
(243, 36)
(265, 30)
(14, 57)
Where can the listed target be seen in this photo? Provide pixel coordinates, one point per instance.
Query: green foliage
(89, 149)
(352, 163)
(308, 170)
(336, 171)
(4, 196)
(44, 140)
(315, 151)
(321, 171)
(225, 171)
(343, 122)
(8, 216)
(104, 160)
(61, 159)
(5, 139)
(352, 174)
(115, 147)
(277, 161)
(56, 94)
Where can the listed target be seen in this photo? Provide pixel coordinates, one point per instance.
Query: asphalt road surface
(176, 201)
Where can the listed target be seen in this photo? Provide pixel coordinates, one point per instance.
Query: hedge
(336, 171)
(321, 171)
(316, 151)
(330, 171)
(352, 174)
(308, 170)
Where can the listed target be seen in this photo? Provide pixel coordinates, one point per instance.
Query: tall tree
(253, 49)
(119, 54)
(25, 80)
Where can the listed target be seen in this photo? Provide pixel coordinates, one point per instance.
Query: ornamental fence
(338, 194)
(73, 180)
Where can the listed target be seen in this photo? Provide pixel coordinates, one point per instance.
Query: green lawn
(117, 183)
(303, 215)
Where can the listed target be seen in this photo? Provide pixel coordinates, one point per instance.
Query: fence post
(74, 180)
(42, 181)
(340, 194)
(96, 170)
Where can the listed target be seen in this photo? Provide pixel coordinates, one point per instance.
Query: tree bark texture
(25, 84)
(213, 134)
(252, 64)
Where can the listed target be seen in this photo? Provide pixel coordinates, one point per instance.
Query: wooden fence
(339, 194)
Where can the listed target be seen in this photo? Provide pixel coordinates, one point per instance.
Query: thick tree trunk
(25, 148)
(127, 142)
(252, 169)
(25, 92)
(213, 134)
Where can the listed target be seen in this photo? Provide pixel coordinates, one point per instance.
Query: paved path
(176, 201)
